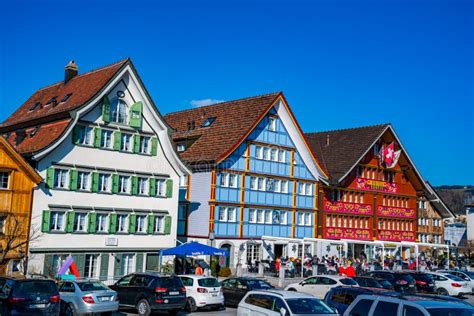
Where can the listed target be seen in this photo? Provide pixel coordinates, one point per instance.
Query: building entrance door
(278, 251)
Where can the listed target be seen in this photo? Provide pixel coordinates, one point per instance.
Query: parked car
(202, 291)
(149, 292)
(370, 305)
(320, 285)
(401, 281)
(29, 296)
(235, 288)
(467, 276)
(423, 281)
(86, 297)
(342, 296)
(373, 282)
(448, 284)
(282, 303)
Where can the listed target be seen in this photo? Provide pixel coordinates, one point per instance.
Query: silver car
(85, 297)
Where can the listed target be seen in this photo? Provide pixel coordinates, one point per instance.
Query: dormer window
(66, 97)
(51, 101)
(119, 111)
(181, 147)
(36, 105)
(272, 123)
(208, 121)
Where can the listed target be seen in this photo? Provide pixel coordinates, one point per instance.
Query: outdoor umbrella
(194, 249)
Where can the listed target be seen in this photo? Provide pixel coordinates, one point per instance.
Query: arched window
(119, 111)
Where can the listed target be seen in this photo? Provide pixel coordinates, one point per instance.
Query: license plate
(37, 305)
(214, 294)
(105, 299)
(174, 293)
(411, 285)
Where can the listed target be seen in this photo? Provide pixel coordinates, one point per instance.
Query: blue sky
(340, 63)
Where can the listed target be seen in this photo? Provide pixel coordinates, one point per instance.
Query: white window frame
(277, 186)
(259, 152)
(231, 214)
(272, 123)
(127, 263)
(252, 216)
(284, 186)
(83, 180)
(118, 111)
(282, 155)
(224, 180)
(283, 217)
(124, 184)
(268, 217)
(61, 177)
(260, 216)
(126, 142)
(307, 219)
(101, 222)
(122, 222)
(140, 224)
(266, 153)
(181, 147)
(222, 214)
(253, 183)
(57, 221)
(80, 219)
(104, 182)
(273, 154)
(161, 187)
(309, 189)
(3, 175)
(106, 139)
(232, 180)
(86, 136)
(144, 147)
(159, 224)
(253, 252)
(261, 184)
(142, 186)
(92, 265)
(300, 219)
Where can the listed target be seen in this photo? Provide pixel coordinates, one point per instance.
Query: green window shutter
(76, 134)
(152, 186)
(118, 266)
(136, 143)
(154, 145)
(46, 220)
(134, 185)
(48, 266)
(95, 181)
(169, 188)
(92, 220)
(104, 266)
(136, 114)
(117, 140)
(80, 260)
(115, 181)
(106, 109)
(70, 222)
(97, 137)
(132, 223)
(73, 179)
(151, 224)
(50, 177)
(139, 261)
(167, 225)
(112, 223)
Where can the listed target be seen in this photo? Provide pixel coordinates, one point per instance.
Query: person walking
(198, 270)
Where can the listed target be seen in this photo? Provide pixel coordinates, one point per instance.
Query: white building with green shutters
(111, 176)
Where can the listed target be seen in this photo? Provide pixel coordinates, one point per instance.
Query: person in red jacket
(342, 271)
(350, 271)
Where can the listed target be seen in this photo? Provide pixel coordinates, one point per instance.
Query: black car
(235, 288)
(28, 296)
(401, 281)
(424, 282)
(373, 282)
(342, 296)
(149, 292)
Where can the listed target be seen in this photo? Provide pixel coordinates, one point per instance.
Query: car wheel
(191, 305)
(292, 289)
(143, 308)
(442, 291)
(69, 310)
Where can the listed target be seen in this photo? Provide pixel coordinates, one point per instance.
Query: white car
(319, 285)
(282, 303)
(467, 276)
(448, 284)
(202, 291)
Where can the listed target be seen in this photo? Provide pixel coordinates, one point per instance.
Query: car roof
(284, 294)
(337, 277)
(26, 278)
(363, 289)
(421, 300)
(195, 276)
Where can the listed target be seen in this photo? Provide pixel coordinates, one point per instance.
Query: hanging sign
(347, 233)
(348, 208)
(396, 235)
(391, 211)
(376, 185)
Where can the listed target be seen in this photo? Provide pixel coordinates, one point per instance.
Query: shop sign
(348, 208)
(347, 233)
(391, 211)
(396, 235)
(376, 185)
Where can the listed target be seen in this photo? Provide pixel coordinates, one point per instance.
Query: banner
(347, 233)
(396, 235)
(348, 208)
(376, 185)
(391, 211)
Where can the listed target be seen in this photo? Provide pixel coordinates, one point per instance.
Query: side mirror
(282, 311)
(303, 283)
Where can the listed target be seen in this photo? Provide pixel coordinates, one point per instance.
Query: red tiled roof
(83, 87)
(233, 121)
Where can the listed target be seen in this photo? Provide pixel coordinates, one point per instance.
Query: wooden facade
(18, 180)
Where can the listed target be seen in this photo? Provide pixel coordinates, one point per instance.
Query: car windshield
(208, 282)
(36, 286)
(454, 278)
(469, 273)
(406, 277)
(170, 282)
(348, 281)
(423, 277)
(258, 284)
(91, 286)
(308, 306)
(451, 311)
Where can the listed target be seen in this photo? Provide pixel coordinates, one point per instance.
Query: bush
(225, 272)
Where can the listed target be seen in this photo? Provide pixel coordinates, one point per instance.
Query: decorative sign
(348, 208)
(111, 241)
(391, 211)
(396, 235)
(347, 233)
(376, 185)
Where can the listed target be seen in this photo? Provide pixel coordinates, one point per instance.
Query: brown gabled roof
(339, 150)
(234, 120)
(83, 87)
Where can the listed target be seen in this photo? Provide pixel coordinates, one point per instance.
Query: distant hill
(455, 195)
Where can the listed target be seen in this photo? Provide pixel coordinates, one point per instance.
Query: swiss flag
(388, 154)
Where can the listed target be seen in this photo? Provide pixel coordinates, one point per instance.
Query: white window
(127, 262)
(232, 180)
(83, 180)
(222, 214)
(301, 188)
(260, 218)
(140, 224)
(56, 221)
(270, 185)
(90, 267)
(60, 178)
(307, 219)
(227, 214)
(106, 139)
(268, 217)
(224, 179)
(86, 135)
(283, 217)
(258, 152)
(159, 224)
(101, 223)
(119, 111)
(272, 124)
(123, 184)
(276, 217)
(309, 189)
(253, 252)
(261, 184)
(252, 216)
(231, 214)
(126, 142)
(274, 154)
(277, 186)
(284, 186)
(142, 186)
(181, 147)
(4, 180)
(144, 141)
(253, 183)
(80, 222)
(104, 182)
(160, 187)
(266, 153)
(122, 223)
(300, 219)
(282, 155)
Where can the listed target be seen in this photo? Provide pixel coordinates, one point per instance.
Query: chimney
(70, 71)
(327, 140)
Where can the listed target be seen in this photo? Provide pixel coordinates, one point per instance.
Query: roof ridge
(220, 103)
(349, 128)
(94, 70)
